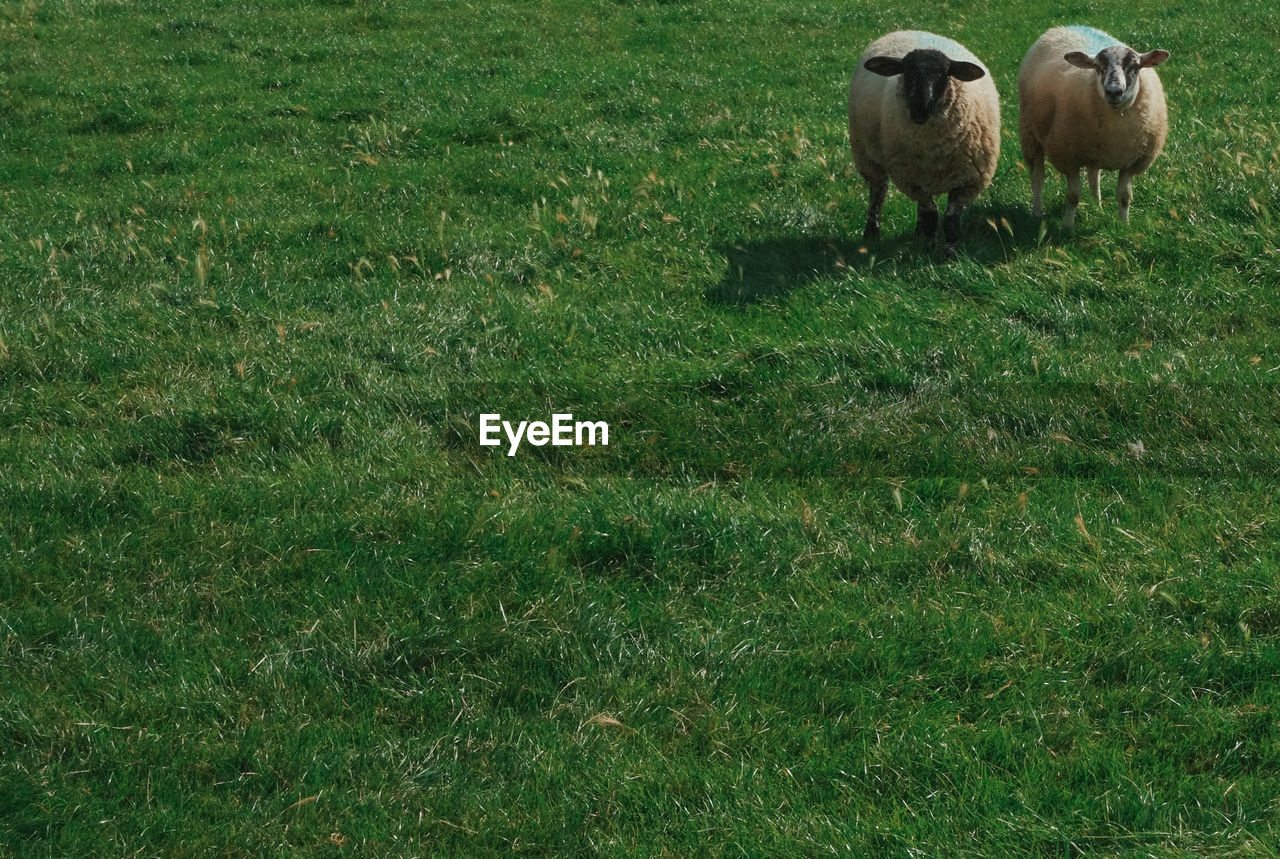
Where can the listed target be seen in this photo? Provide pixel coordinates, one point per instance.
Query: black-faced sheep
(1088, 102)
(923, 111)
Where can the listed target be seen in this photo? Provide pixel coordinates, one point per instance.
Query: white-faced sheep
(1087, 101)
(923, 111)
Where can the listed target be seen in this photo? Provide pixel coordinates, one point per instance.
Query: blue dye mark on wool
(1094, 40)
(950, 47)
(933, 40)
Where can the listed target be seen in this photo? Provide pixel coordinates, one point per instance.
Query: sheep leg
(1124, 194)
(878, 188)
(1095, 187)
(1073, 199)
(951, 223)
(1036, 163)
(927, 220)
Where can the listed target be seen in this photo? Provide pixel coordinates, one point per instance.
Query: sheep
(935, 130)
(1086, 100)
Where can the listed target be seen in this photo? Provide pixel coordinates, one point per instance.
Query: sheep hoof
(950, 254)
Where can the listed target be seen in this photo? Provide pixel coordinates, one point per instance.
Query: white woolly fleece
(955, 151)
(1062, 115)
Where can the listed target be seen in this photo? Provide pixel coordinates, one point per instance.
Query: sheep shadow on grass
(758, 271)
(770, 269)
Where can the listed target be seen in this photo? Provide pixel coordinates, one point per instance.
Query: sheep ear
(1081, 60)
(963, 71)
(1153, 58)
(886, 66)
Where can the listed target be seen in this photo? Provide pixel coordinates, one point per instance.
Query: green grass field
(885, 557)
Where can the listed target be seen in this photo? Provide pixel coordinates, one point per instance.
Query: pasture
(885, 555)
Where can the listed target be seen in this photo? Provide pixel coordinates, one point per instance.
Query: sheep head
(1117, 69)
(926, 78)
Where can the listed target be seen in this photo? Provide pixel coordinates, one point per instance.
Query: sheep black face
(1118, 68)
(926, 74)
